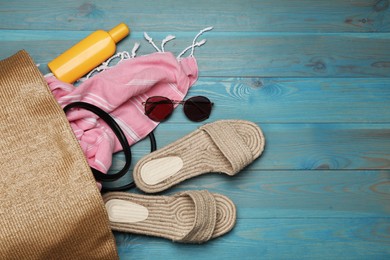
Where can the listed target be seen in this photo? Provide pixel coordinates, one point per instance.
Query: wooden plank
(241, 54)
(295, 100)
(303, 146)
(294, 194)
(279, 238)
(265, 15)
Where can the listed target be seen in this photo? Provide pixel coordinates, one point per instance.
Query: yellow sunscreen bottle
(87, 54)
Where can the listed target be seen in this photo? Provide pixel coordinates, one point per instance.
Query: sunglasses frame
(173, 102)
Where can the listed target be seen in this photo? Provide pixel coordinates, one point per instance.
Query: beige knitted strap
(230, 143)
(188, 217)
(224, 146)
(50, 207)
(205, 217)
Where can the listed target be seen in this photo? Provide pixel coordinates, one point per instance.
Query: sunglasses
(160, 108)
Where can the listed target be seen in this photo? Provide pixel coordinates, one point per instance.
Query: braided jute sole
(225, 146)
(187, 217)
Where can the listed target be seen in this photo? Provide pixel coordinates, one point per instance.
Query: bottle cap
(119, 32)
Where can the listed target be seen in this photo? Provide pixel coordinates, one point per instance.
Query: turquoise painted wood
(243, 54)
(315, 75)
(257, 16)
(288, 238)
(304, 146)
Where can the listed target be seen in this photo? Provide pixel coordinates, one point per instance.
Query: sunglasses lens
(197, 108)
(158, 108)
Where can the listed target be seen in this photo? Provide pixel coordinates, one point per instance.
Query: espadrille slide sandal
(223, 146)
(187, 217)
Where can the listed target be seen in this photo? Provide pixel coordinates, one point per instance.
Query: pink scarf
(120, 91)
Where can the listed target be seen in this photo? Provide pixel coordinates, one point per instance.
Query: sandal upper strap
(205, 216)
(231, 144)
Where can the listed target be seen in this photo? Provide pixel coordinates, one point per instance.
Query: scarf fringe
(125, 55)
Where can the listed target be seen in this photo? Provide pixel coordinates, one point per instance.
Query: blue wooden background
(314, 74)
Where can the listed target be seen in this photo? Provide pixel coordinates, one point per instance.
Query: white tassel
(196, 37)
(197, 44)
(150, 40)
(194, 43)
(124, 56)
(167, 39)
(106, 65)
(134, 50)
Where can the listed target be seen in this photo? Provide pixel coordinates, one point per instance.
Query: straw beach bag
(50, 207)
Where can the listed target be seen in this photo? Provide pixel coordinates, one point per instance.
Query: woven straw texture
(50, 207)
(187, 217)
(225, 146)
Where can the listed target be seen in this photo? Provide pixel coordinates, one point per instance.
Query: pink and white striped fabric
(120, 91)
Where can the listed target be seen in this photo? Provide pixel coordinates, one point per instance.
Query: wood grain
(298, 193)
(266, 15)
(295, 100)
(315, 75)
(241, 54)
(303, 146)
(276, 238)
